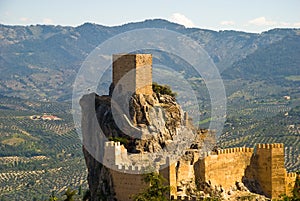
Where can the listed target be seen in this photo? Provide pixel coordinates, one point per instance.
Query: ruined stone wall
(185, 171)
(140, 67)
(224, 168)
(169, 173)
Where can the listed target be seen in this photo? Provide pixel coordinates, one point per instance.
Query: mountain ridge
(35, 51)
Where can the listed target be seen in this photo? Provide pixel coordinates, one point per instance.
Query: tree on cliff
(156, 191)
(163, 89)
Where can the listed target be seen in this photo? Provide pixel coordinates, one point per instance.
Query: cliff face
(99, 179)
(151, 121)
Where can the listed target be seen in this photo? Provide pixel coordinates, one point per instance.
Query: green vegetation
(69, 195)
(163, 89)
(204, 121)
(157, 190)
(124, 141)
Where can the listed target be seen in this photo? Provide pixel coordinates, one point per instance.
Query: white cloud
(262, 21)
(284, 24)
(227, 23)
(297, 24)
(24, 19)
(47, 21)
(181, 19)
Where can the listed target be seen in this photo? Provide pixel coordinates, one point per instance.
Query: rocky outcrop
(148, 124)
(151, 120)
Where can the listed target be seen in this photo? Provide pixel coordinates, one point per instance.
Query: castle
(260, 169)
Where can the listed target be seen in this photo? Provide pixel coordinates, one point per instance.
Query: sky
(242, 15)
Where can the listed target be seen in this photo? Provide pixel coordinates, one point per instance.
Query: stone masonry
(136, 71)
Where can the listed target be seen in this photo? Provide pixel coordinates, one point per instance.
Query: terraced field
(38, 157)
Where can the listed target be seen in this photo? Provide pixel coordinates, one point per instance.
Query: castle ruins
(260, 169)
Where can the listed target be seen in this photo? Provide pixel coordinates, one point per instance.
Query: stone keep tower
(137, 69)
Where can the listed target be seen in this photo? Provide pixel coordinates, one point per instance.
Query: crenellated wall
(225, 167)
(115, 154)
(184, 198)
(264, 165)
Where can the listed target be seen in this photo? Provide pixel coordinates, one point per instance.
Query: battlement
(131, 168)
(291, 174)
(270, 146)
(112, 144)
(235, 150)
(185, 198)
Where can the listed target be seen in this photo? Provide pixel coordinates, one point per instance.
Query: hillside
(275, 62)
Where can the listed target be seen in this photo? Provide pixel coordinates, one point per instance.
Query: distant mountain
(41, 61)
(273, 62)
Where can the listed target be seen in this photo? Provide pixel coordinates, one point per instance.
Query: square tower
(136, 71)
(270, 170)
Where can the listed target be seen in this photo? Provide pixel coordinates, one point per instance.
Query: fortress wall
(115, 153)
(290, 183)
(224, 168)
(126, 185)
